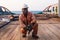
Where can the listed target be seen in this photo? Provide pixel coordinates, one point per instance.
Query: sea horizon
(19, 12)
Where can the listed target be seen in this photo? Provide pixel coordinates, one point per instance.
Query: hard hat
(25, 6)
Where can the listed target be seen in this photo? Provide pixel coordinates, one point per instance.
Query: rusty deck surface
(47, 30)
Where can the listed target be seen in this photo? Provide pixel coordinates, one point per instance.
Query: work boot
(35, 36)
(23, 36)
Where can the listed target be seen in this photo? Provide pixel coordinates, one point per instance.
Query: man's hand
(28, 27)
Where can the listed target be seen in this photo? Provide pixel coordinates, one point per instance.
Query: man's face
(25, 10)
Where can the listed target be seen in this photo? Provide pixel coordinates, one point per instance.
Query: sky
(34, 5)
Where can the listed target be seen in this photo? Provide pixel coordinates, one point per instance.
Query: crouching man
(27, 18)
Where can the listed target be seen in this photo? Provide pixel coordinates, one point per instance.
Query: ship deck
(47, 30)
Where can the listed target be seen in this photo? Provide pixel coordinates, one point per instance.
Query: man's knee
(36, 25)
(23, 31)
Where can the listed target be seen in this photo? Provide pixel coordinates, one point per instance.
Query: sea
(19, 12)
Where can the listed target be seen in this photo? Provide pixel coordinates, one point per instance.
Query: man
(27, 18)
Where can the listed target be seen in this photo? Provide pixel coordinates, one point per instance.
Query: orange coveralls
(31, 19)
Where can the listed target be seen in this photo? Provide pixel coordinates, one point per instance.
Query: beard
(25, 14)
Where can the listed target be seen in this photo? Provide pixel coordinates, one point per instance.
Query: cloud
(33, 4)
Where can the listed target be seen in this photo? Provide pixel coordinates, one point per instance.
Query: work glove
(28, 28)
